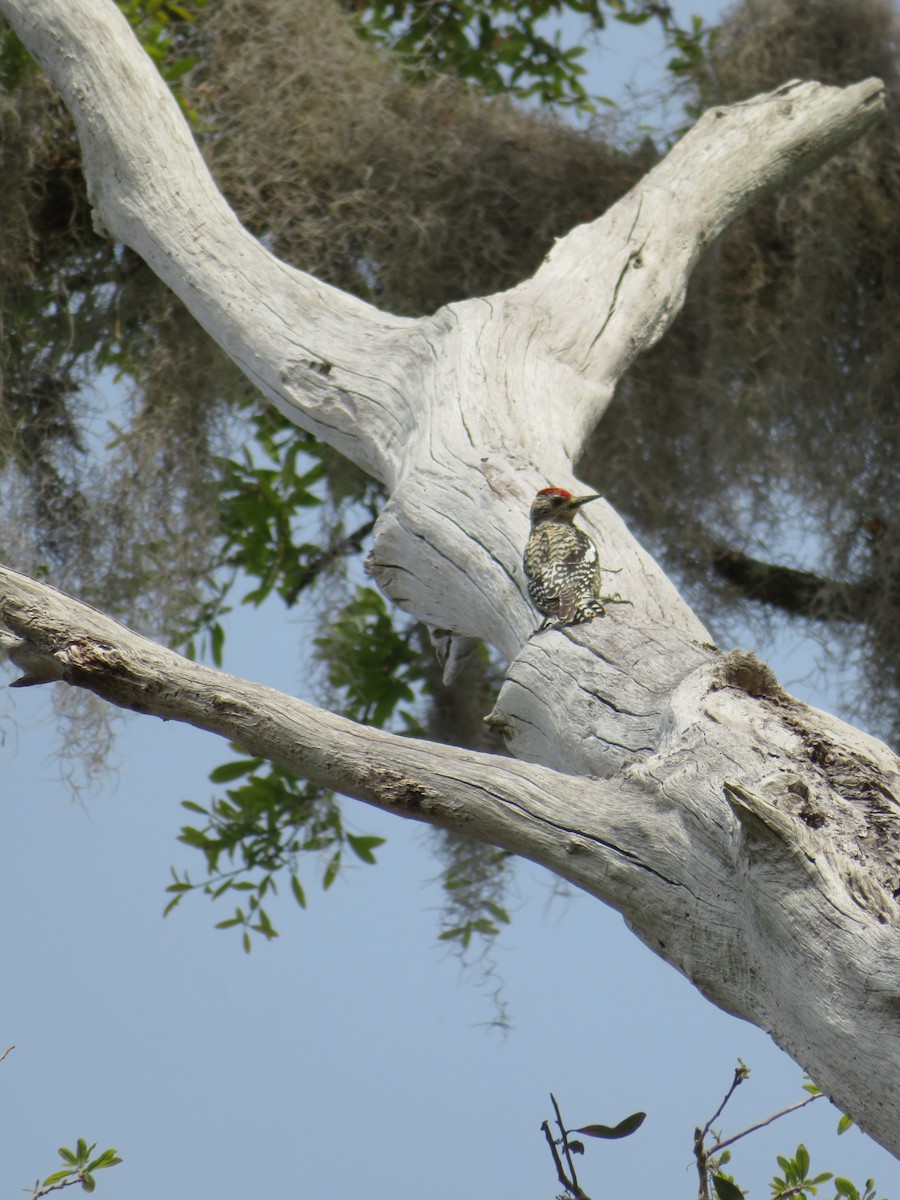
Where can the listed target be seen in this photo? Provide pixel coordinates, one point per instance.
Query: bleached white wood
(776, 901)
(748, 839)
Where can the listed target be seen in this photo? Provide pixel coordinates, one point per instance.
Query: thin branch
(762, 1124)
(571, 1185)
(56, 1187)
(701, 1154)
(325, 558)
(6, 1051)
(702, 1159)
(740, 1074)
(802, 593)
(565, 1142)
(560, 1170)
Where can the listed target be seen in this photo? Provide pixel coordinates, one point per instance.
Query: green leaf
(623, 1129)
(108, 1158)
(844, 1124)
(180, 68)
(88, 1183)
(57, 1176)
(297, 889)
(450, 935)
(845, 1188)
(726, 1189)
(331, 871)
(233, 770)
(628, 18)
(67, 1155)
(362, 847)
(802, 1160)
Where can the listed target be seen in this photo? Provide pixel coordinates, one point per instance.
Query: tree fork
(745, 837)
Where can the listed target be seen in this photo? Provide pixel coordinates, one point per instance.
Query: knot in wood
(86, 656)
(400, 791)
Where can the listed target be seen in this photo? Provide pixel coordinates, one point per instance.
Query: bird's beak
(579, 500)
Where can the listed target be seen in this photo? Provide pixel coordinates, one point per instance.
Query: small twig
(701, 1154)
(740, 1074)
(701, 1158)
(762, 1124)
(565, 1141)
(55, 1187)
(6, 1051)
(560, 1170)
(571, 1185)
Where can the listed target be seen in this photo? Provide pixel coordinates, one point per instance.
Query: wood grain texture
(750, 840)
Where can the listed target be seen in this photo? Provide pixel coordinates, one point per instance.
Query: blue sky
(350, 1057)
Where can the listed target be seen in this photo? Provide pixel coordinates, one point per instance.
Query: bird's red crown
(551, 491)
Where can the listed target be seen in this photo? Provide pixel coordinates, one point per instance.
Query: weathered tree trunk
(748, 839)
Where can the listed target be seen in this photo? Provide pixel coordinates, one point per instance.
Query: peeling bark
(748, 839)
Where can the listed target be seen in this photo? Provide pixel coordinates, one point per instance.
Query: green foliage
(725, 1188)
(260, 506)
(265, 497)
(692, 50)
(375, 667)
(505, 47)
(496, 44)
(474, 884)
(845, 1188)
(80, 1167)
(625, 1127)
(264, 825)
(796, 1180)
(15, 61)
(502, 46)
(565, 1146)
(371, 664)
(692, 46)
(166, 31)
(259, 829)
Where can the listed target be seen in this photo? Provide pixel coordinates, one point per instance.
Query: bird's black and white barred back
(562, 564)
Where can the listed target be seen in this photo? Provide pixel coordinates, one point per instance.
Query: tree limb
(801, 593)
(750, 840)
(715, 876)
(450, 411)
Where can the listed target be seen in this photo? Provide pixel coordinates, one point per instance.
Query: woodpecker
(561, 562)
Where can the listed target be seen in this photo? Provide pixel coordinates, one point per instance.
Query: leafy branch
(259, 828)
(571, 1146)
(79, 1167)
(795, 1183)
